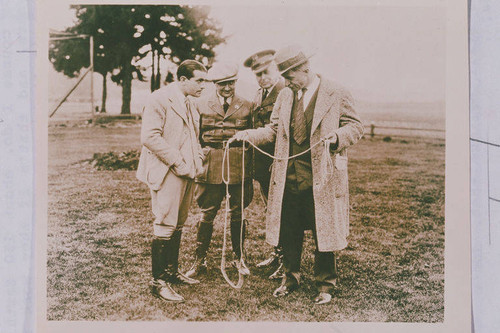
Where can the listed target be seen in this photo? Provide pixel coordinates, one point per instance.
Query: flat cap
(260, 60)
(223, 71)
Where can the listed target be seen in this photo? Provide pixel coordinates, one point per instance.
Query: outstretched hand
(239, 136)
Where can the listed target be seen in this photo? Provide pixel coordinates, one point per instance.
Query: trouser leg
(325, 268)
(238, 228)
(209, 197)
(291, 235)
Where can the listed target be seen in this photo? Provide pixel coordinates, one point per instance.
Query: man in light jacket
(171, 157)
(304, 192)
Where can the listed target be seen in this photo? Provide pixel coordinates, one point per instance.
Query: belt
(222, 145)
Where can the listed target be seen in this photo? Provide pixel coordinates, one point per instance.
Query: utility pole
(91, 40)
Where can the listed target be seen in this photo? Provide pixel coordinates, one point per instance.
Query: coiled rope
(327, 171)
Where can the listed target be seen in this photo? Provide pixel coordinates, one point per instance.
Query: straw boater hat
(222, 72)
(290, 57)
(260, 60)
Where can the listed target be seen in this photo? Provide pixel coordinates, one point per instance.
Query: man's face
(296, 78)
(268, 77)
(195, 85)
(226, 88)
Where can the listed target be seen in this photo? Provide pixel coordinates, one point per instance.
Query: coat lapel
(286, 111)
(236, 104)
(176, 106)
(214, 104)
(271, 97)
(323, 103)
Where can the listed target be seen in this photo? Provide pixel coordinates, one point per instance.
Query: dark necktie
(299, 120)
(226, 105)
(264, 95)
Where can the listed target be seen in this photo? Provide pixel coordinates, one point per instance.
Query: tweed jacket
(334, 114)
(166, 136)
(216, 127)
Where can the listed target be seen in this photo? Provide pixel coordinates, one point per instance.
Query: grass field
(99, 233)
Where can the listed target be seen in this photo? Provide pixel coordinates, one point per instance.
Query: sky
(382, 54)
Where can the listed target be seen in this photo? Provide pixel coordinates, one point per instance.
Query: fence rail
(374, 126)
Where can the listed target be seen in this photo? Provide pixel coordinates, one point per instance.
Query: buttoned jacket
(216, 127)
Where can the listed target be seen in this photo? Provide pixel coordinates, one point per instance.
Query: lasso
(327, 171)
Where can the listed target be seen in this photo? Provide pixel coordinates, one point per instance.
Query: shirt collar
(221, 99)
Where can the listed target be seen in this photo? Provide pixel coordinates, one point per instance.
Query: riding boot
(238, 250)
(175, 276)
(203, 239)
(160, 284)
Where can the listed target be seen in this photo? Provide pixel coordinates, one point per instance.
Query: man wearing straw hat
(314, 122)
(222, 114)
(171, 157)
(270, 81)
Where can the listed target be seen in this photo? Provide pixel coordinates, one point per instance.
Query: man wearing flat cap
(311, 114)
(222, 114)
(270, 84)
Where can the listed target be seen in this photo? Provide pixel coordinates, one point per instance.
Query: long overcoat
(334, 114)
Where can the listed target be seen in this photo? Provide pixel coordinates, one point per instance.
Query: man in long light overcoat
(171, 157)
(311, 190)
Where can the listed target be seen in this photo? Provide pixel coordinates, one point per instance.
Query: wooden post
(372, 130)
(91, 40)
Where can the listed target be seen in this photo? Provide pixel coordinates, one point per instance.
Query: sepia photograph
(246, 163)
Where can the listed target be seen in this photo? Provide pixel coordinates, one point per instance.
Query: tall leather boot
(235, 241)
(203, 239)
(160, 285)
(176, 276)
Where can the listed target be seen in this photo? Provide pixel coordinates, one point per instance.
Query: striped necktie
(299, 120)
(264, 95)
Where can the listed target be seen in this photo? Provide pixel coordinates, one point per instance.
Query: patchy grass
(99, 233)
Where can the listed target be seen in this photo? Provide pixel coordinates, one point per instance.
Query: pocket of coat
(207, 122)
(157, 171)
(341, 162)
(206, 162)
(241, 123)
(340, 176)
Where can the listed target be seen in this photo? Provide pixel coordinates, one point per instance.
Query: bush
(113, 161)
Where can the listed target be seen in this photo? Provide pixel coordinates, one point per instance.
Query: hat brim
(296, 64)
(262, 67)
(231, 78)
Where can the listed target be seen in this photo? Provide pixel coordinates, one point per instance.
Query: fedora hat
(222, 72)
(260, 60)
(290, 57)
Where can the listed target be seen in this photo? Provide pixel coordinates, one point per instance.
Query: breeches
(171, 204)
(210, 196)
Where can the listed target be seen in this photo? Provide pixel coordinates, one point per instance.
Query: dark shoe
(179, 278)
(273, 259)
(241, 267)
(199, 268)
(322, 298)
(164, 291)
(279, 273)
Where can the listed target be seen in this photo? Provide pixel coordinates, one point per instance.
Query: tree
(124, 35)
